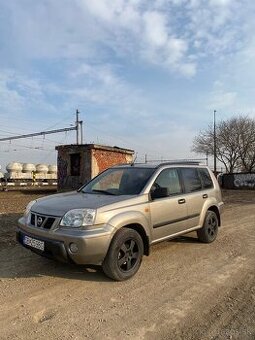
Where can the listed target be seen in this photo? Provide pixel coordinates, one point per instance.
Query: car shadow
(18, 262)
(24, 264)
(189, 238)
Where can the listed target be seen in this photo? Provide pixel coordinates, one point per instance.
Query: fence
(238, 181)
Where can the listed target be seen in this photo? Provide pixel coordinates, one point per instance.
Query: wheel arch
(141, 231)
(215, 209)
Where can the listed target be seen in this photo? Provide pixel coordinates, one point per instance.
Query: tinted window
(206, 178)
(169, 179)
(191, 179)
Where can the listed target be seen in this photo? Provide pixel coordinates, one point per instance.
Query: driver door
(169, 213)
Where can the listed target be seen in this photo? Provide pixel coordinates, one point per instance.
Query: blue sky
(145, 75)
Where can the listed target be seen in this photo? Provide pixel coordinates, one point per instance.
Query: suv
(114, 219)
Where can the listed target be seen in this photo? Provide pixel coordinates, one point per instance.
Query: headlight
(28, 208)
(77, 218)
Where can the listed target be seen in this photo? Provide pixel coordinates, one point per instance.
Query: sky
(145, 75)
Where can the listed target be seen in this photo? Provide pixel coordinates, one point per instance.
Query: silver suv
(114, 219)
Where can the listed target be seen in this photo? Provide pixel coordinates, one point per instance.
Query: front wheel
(124, 256)
(209, 231)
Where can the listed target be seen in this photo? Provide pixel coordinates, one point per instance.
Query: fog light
(73, 247)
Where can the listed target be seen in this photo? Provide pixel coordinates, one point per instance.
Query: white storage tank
(14, 167)
(1, 175)
(14, 170)
(52, 174)
(52, 169)
(42, 171)
(28, 168)
(42, 168)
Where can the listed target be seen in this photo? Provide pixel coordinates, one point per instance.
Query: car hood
(59, 204)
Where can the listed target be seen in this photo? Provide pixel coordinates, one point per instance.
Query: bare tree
(246, 144)
(235, 143)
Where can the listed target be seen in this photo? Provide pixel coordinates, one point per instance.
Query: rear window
(191, 179)
(206, 178)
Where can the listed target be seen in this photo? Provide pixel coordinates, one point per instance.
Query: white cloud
(221, 3)
(188, 69)
(176, 49)
(20, 94)
(164, 32)
(155, 29)
(150, 29)
(109, 58)
(220, 98)
(10, 99)
(102, 73)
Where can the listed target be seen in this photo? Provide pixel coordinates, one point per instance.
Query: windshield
(119, 181)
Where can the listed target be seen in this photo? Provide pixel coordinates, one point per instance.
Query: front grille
(32, 219)
(41, 221)
(48, 224)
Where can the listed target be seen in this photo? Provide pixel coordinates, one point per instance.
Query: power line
(61, 121)
(39, 133)
(25, 146)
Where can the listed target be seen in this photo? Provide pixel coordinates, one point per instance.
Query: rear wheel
(124, 256)
(209, 231)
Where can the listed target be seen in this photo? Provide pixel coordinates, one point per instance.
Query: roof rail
(158, 163)
(182, 162)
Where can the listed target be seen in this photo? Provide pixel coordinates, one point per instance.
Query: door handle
(181, 201)
(205, 196)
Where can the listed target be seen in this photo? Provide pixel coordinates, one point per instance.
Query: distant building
(77, 164)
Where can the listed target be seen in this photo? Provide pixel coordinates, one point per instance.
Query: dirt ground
(183, 290)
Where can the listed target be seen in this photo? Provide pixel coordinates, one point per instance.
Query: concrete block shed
(77, 164)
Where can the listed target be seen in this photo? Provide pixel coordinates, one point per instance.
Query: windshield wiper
(103, 192)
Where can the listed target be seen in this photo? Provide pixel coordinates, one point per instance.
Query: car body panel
(168, 216)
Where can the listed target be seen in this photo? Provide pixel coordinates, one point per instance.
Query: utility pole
(77, 124)
(81, 127)
(214, 143)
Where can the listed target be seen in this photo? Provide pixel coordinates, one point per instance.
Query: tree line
(235, 143)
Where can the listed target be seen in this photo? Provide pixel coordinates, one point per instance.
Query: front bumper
(92, 247)
(52, 249)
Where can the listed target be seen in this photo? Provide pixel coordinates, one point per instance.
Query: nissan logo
(39, 221)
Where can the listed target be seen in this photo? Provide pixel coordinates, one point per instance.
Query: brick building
(77, 164)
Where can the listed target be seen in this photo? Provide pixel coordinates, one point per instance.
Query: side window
(206, 178)
(169, 179)
(191, 179)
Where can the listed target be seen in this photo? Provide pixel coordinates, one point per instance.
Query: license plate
(32, 242)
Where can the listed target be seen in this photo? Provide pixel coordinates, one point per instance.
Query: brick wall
(93, 159)
(104, 159)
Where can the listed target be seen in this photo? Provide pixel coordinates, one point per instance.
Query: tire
(124, 256)
(209, 231)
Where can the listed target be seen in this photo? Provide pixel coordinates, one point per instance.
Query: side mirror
(160, 193)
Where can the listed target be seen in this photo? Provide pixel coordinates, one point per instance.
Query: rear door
(194, 195)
